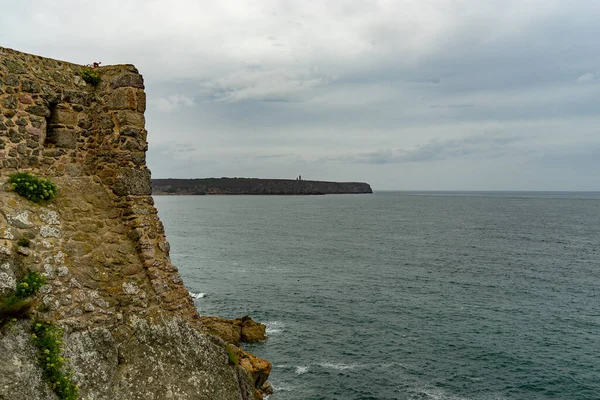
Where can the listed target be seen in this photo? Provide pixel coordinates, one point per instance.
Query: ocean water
(404, 295)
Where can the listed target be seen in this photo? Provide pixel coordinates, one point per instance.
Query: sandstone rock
(227, 329)
(235, 331)
(252, 331)
(130, 118)
(124, 98)
(133, 181)
(258, 368)
(64, 116)
(62, 137)
(127, 80)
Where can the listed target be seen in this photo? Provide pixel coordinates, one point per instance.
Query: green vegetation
(23, 242)
(29, 286)
(90, 76)
(33, 188)
(18, 303)
(48, 340)
(232, 354)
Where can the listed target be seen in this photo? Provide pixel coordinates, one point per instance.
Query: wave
(300, 369)
(197, 295)
(339, 366)
(282, 387)
(274, 327)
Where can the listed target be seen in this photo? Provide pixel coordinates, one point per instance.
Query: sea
(404, 295)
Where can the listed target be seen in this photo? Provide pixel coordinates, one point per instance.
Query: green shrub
(29, 285)
(33, 188)
(23, 242)
(90, 76)
(18, 303)
(48, 339)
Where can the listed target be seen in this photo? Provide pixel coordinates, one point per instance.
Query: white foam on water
(274, 327)
(338, 366)
(300, 369)
(283, 387)
(197, 295)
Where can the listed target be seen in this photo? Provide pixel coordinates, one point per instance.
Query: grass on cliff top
(31, 187)
(90, 76)
(48, 339)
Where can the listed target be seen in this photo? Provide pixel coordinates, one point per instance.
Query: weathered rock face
(131, 328)
(20, 375)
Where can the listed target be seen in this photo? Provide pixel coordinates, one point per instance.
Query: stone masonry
(99, 243)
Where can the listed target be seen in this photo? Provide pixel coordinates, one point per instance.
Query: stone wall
(92, 143)
(99, 243)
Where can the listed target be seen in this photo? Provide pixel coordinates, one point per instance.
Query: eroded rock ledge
(131, 328)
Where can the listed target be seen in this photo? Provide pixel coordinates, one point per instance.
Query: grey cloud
(587, 77)
(172, 102)
(452, 106)
(288, 87)
(436, 150)
(257, 84)
(272, 156)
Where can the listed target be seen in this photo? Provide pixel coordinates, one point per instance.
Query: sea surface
(404, 295)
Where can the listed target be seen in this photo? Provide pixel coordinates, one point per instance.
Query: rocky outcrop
(256, 186)
(235, 331)
(131, 329)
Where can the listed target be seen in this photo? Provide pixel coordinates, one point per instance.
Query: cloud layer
(406, 94)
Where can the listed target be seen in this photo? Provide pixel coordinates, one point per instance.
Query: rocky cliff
(256, 186)
(130, 328)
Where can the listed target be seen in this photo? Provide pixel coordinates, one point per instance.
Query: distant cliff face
(131, 328)
(256, 186)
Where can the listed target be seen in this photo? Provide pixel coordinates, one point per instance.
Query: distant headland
(255, 186)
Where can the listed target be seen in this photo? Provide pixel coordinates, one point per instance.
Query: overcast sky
(413, 94)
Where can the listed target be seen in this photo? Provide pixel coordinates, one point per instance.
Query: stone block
(25, 99)
(131, 132)
(62, 137)
(132, 118)
(77, 97)
(127, 80)
(65, 117)
(30, 86)
(38, 110)
(132, 181)
(123, 99)
(141, 101)
(10, 102)
(15, 67)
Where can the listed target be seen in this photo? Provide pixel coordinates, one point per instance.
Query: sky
(404, 95)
